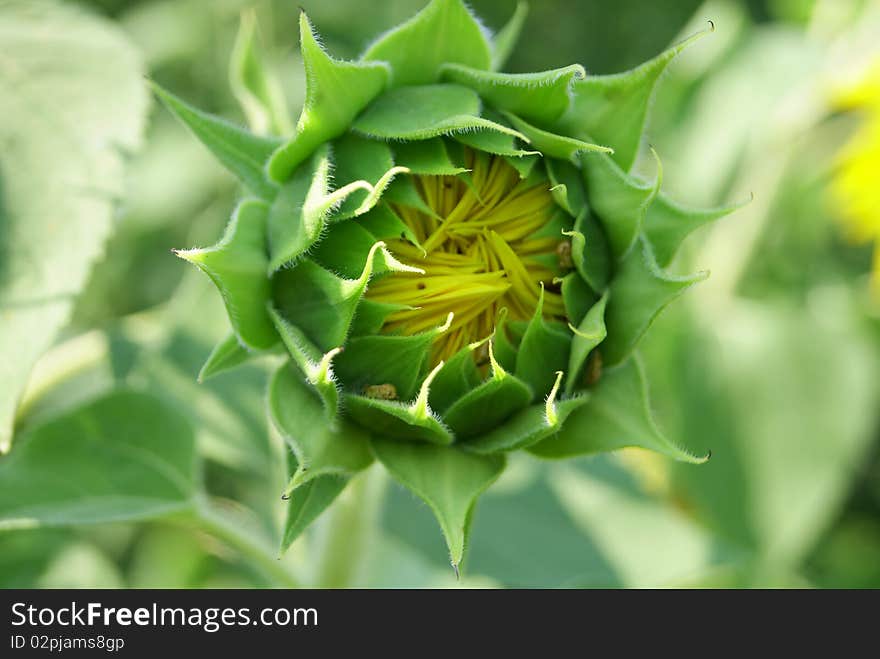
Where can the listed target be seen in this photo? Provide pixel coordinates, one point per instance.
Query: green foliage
(63, 170)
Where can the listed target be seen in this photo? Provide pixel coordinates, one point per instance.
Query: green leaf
(529, 426)
(501, 144)
(258, 91)
(616, 416)
(336, 92)
(444, 31)
(126, 456)
(62, 165)
(237, 266)
(577, 296)
(668, 223)
(426, 111)
(225, 356)
(587, 335)
(241, 152)
(639, 292)
(543, 351)
(322, 447)
(612, 108)
(445, 478)
(506, 38)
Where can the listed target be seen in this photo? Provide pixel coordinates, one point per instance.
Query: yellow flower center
(480, 253)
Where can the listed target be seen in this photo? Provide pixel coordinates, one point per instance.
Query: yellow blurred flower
(856, 183)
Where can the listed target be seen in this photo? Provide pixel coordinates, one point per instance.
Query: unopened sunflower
(457, 263)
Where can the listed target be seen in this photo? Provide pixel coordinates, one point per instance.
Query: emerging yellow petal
(479, 252)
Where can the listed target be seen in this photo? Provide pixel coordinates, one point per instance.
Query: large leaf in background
(73, 101)
(124, 456)
(787, 401)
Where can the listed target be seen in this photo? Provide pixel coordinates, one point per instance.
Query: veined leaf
(444, 31)
(308, 501)
(62, 165)
(543, 351)
(126, 456)
(553, 145)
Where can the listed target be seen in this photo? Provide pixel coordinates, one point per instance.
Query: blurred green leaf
(73, 106)
(125, 456)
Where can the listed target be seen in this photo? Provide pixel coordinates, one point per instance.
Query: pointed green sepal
(617, 415)
(530, 426)
(426, 111)
(258, 91)
(589, 333)
(225, 356)
(488, 405)
(590, 252)
(237, 266)
(553, 145)
(444, 31)
(308, 501)
(242, 153)
(299, 212)
(458, 376)
(322, 446)
(336, 92)
(444, 477)
(387, 359)
(612, 108)
(316, 368)
(391, 419)
(362, 171)
(668, 223)
(539, 98)
(619, 201)
(577, 296)
(322, 303)
(544, 350)
(505, 39)
(639, 292)
(426, 158)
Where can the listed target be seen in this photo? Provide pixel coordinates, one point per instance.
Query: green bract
(344, 227)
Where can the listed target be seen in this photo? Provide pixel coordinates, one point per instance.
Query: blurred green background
(772, 365)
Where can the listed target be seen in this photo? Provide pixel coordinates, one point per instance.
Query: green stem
(348, 531)
(240, 536)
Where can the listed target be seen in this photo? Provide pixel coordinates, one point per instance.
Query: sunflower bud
(457, 262)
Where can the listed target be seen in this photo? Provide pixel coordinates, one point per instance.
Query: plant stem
(240, 536)
(348, 531)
